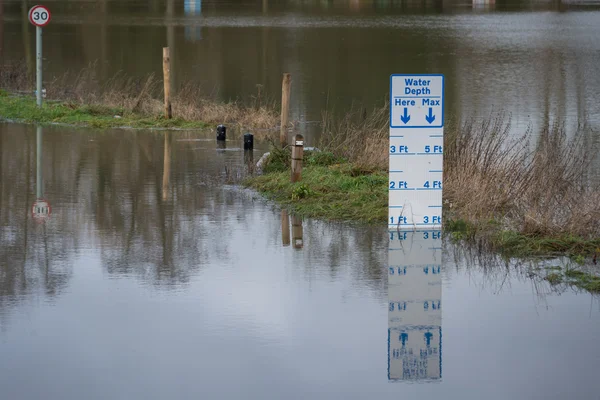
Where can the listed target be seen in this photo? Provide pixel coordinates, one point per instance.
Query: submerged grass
(137, 100)
(574, 277)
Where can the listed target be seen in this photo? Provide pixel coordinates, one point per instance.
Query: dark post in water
(297, 154)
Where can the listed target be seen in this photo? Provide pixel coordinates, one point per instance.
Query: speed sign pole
(40, 17)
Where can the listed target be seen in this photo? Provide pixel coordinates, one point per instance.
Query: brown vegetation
(144, 96)
(535, 185)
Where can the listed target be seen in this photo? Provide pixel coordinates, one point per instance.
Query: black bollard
(248, 141)
(221, 133)
(221, 145)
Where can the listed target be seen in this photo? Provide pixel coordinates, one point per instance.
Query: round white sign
(39, 16)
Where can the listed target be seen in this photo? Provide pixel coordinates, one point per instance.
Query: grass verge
(331, 188)
(24, 109)
(81, 99)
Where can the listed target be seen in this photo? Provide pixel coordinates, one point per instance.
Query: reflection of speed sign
(39, 16)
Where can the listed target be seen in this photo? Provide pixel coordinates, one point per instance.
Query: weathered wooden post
(285, 107)
(297, 154)
(297, 240)
(167, 81)
(285, 228)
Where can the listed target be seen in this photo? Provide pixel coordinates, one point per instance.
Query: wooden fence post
(167, 81)
(285, 107)
(297, 155)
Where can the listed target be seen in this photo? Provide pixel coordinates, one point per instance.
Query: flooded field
(536, 60)
(152, 279)
(132, 266)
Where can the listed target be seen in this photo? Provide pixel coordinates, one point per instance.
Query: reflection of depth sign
(416, 152)
(415, 306)
(41, 210)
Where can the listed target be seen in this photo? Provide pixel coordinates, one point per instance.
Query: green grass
(330, 191)
(24, 109)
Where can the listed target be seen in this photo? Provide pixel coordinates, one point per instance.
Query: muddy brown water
(151, 282)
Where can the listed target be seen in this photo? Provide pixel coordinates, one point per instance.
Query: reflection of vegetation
(33, 258)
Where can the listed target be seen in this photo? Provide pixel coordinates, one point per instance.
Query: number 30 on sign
(39, 16)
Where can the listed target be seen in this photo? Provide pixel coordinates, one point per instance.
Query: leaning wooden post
(167, 81)
(297, 154)
(285, 107)
(285, 228)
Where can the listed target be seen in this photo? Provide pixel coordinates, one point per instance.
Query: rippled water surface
(537, 61)
(152, 279)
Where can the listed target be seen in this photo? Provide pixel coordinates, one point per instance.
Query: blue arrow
(430, 118)
(405, 118)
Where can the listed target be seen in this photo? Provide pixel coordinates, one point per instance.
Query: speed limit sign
(39, 16)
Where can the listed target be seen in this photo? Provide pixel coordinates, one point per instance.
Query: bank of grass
(331, 188)
(82, 99)
(527, 196)
(24, 109)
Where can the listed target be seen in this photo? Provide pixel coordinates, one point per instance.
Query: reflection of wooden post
(297, 154)
(285, 107)
(285, 228)
(167, 81)
(297, 241)
(166, 166)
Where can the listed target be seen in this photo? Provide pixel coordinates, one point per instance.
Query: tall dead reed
(144, 96)
(536, 183)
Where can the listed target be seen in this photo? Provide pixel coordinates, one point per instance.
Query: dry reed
(144, 96)
(490, 175)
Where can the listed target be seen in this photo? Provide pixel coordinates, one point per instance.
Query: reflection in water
(415, 301)
(297, 230)
(166, 166)
(285, 228)
(41, 207)
(193, 8)
(297, 239)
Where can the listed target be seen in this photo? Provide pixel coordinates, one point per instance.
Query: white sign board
(416, 151)
(39, 16)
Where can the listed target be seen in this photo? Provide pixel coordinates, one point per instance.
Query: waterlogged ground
(150, 281)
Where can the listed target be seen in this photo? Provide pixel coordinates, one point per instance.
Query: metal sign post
(39, 16)
(416, 151)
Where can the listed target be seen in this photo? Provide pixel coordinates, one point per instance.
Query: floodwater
(535, 60)
(143, 276)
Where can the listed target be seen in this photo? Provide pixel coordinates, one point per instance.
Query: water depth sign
(416, 151)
